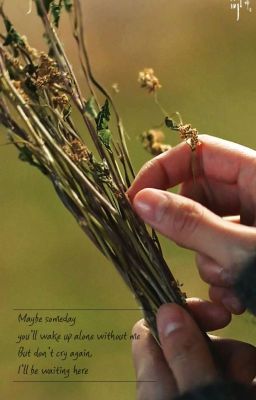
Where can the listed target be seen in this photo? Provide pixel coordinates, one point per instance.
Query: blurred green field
(206, 63)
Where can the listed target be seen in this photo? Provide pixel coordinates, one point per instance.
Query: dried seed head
(148, 80)
(48, 73)
(152, 136)
(152, 141)
(11, 60)
(77, 151)
(158, 148)
(60, 100)
(18, 86)
(190, 135)
(31, 50)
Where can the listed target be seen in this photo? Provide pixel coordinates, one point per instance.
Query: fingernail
(151, 204)
(169, 319)
(233, 304)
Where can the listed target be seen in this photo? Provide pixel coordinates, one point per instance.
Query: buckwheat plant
(39, 95)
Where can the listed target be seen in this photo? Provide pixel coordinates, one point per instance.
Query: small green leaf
(13, 36)
(27, 156)
(55, 11)
(102, 120)
(54, 7)
(103, 117)
(90, 107)
(68, 4)
(105, 137)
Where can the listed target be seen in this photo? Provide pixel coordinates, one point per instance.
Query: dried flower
(77, 151)
(152, 141)
(18, 86)
(48, 73)
(31, 50)
(60, 100)
(189, 134)
(10, 59)
(148, 80)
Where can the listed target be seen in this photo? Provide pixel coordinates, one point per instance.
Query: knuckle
(187, 217)
(155, 164)
(149, 165)
(178, 358)
(145, 170)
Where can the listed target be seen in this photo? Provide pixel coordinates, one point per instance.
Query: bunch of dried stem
(38, 95)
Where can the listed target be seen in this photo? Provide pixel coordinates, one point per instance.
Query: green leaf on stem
(55, 11)
(54, 7)
(102, 120)
(90, 108)
(12, 37)
(68, 4)
(27, 156)
(103, 117)
(105, 137)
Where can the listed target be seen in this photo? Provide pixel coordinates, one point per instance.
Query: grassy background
(206, 64)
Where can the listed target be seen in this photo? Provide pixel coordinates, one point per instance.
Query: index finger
(219, 160)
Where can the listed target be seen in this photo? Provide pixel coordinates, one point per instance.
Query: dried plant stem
(91, 183)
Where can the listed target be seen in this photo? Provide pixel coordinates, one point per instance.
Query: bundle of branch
(38, 96)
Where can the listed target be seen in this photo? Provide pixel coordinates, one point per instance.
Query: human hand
(184, 361)
(225, 187)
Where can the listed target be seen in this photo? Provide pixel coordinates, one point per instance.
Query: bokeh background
(206, 63)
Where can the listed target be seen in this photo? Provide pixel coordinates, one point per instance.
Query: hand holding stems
(184, 361)
(216, 217)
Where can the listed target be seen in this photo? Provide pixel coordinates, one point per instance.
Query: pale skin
(215, 217)
(184, 361)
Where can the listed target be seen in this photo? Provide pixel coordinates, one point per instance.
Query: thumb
(193, 226)
(185, 348)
